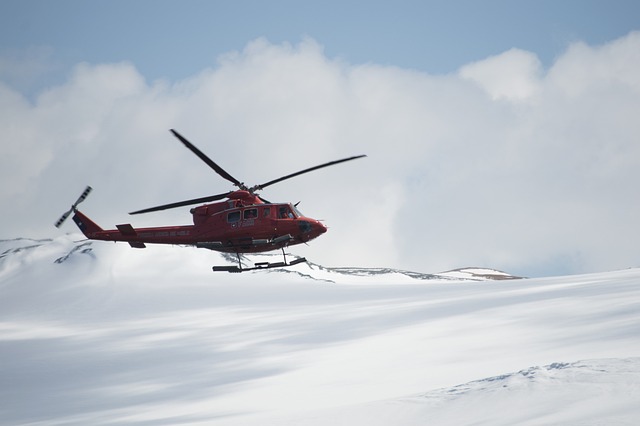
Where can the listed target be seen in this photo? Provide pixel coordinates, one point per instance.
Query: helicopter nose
(321, 228)
(311, 227)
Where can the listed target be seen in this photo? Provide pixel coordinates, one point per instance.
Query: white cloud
(584, 69)
(513, 75)
(534, 173)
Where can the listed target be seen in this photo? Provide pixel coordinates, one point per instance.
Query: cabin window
(250, 214)
(233, 217)
(266, 212)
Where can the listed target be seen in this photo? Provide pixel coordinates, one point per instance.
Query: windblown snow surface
(96, 333)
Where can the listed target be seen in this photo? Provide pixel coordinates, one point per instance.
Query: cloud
(512, 75)
(502, 164)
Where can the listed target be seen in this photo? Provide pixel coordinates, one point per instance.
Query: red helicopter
(243, 223)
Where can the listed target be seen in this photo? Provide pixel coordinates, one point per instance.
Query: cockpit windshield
(296, 211)
(288, 211)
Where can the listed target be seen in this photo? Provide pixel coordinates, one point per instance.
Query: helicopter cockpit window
(250, 214)
(296, 211)
(284, 212)
(233, 217)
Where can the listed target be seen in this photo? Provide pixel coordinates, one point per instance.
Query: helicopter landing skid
(259, 265)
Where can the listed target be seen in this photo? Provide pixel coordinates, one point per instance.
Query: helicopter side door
(249, 217)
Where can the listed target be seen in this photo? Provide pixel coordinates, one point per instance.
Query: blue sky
(176, 39)
(499, 134)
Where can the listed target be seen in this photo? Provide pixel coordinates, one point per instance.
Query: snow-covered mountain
(98, 333)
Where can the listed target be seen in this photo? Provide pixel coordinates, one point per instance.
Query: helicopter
(243, 222)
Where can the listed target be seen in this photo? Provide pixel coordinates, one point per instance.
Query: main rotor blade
(331, 163)
(208, 160)
(184, 203)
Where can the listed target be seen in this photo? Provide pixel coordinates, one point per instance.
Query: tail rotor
(80, 199)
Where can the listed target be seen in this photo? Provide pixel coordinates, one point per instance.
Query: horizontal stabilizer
(127, 230)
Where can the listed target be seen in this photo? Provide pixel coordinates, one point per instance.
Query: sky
(498, 134)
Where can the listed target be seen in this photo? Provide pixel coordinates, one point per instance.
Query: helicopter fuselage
(241, 224)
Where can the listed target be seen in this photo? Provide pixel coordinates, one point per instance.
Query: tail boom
(135, 237)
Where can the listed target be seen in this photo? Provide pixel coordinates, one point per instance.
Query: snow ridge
(17, 245)
(309, 270)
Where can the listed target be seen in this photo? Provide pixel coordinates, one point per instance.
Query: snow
(99, 333)
(586, 392)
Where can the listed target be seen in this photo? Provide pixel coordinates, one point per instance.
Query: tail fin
(86, 225)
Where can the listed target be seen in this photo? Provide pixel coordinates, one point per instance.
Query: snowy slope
(595, 392)
(98, 333)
